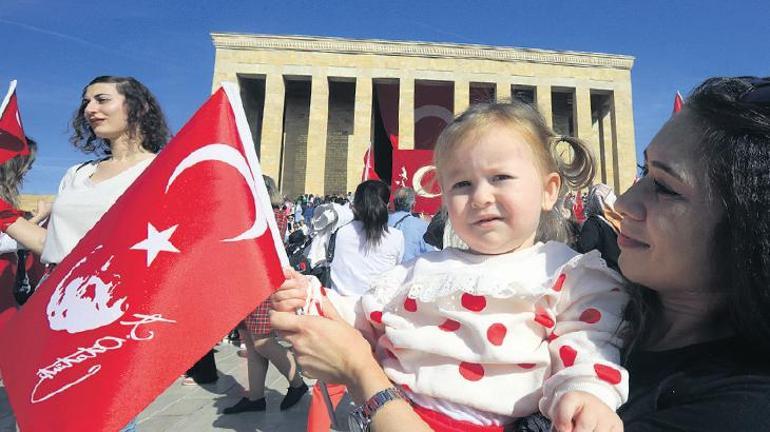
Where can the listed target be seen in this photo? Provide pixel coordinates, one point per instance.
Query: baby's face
(494, 191)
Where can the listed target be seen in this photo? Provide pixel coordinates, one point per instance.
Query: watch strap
(379, 399)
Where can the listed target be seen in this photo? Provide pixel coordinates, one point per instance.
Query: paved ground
(197, 408)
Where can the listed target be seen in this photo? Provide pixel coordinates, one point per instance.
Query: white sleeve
(584, 342)
(7, 244)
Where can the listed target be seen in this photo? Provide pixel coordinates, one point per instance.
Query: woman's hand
(582, 412)
(293, 292)
(326, 347)
(42, 212)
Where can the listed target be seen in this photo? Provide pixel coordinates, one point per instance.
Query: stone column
(272, 126)
(584, 124)
(462, 96)
(406, 113)
(608, 150)
(362, 131)
(316, 135)
(623, 137)
(543, 98)
(503, 90)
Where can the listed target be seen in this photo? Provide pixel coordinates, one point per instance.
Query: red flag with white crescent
(12, 140)
(433, 111)
(139, 299)
(368, 172)
(414, 169)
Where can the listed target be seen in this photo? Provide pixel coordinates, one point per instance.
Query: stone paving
(198, 408)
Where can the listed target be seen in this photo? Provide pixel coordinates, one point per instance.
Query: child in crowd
(516, 323)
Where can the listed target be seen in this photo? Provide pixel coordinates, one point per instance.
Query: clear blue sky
(54, 47)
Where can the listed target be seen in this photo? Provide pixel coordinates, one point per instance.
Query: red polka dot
(590, 316)
(473, 303)
(496, 333)
(608, 374)
(567, 355)
(376, 316)
(471, 371)
(410, 304)
(551, 337)
(544, 320)
(526, 365)
(449, 325)
(559, 282)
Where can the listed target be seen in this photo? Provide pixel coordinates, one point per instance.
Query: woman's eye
(663, 189)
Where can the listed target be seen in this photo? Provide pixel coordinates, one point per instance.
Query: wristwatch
(361, 417)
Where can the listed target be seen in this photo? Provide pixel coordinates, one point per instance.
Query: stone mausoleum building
(315, 104)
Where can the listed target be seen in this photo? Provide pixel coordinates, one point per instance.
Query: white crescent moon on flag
(234, 158)
(433, 111)
(417, 181)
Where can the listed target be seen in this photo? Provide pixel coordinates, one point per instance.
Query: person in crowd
(261, 346)
(515, 323)
(600, 229)
(434, 234)
(12, 258)
(365, 247)
(120, 122)
(411, 226)
(694, 241)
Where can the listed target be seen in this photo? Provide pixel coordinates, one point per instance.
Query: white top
(354, 265)
(80, 204)
(488, 338)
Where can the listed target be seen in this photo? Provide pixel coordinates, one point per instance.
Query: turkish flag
(12, 140)
(678, 103)
(369, 173)
(414, 169)
(182, 256)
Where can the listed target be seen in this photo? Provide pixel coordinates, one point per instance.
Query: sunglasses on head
(759, 91)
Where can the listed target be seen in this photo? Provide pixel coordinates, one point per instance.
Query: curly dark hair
(734, 119)
(145, 118)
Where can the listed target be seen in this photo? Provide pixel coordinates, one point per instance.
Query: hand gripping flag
(12, 140)
(141, 297)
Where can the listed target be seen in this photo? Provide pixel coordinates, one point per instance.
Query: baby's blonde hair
(575, 172)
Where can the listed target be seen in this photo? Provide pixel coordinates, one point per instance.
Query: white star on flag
(156, 242)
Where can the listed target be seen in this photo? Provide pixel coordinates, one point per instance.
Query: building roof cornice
(240, 41)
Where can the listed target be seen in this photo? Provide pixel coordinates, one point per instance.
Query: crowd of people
(521, 305)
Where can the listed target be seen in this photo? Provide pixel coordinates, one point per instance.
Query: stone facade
(309, 99)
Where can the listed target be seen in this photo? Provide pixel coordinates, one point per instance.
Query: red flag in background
(12, 140)
(369, 173)
(414, 169)
(678, 102)
(433, 111)
(139, 299)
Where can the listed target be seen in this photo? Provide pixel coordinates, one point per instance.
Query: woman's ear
(551, 187)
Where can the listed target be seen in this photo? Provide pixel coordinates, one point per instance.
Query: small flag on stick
(12, 140)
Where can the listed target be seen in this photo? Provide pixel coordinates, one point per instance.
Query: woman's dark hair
(12, 172)
(145, 118)
(734, 119)
(370, 206)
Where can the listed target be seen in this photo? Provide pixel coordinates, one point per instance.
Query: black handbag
(22, 289)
